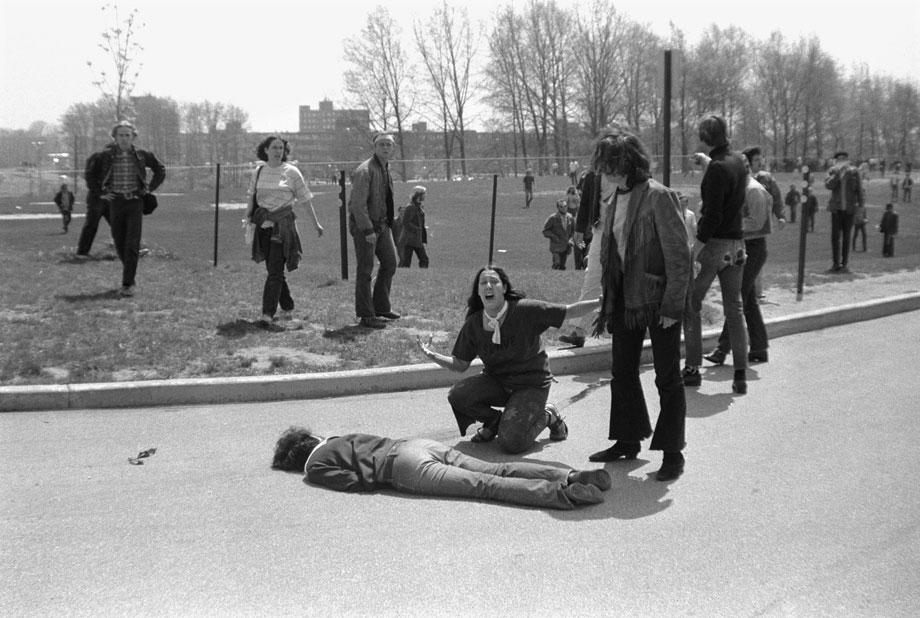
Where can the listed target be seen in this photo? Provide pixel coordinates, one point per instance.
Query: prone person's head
(293, 448)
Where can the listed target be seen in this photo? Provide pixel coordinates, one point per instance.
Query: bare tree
(505, 88)
(447, 46)
(598, 58)
(379, 77)
(119, 42)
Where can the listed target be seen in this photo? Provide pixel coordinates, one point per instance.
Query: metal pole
(343, 226)
(216, 209)
(492, 229)
(666, 172)
(803, 235)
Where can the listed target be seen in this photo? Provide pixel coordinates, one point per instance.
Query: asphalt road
(799, 499)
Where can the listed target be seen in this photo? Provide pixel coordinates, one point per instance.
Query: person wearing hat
(847, 197)
(117, 176)
(370, 221)
(413, 232)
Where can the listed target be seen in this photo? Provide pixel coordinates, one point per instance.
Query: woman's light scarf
(494, 323)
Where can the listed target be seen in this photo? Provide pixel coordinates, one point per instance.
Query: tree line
(552, 78)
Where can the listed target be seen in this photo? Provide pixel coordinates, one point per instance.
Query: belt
(385, 474)
(127, 196)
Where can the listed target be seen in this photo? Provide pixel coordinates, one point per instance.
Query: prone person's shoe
(581, 494)
(600, 478)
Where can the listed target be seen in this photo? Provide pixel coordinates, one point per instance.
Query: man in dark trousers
(370, 220)
(847, 196)
(95, 209)
(118, 176)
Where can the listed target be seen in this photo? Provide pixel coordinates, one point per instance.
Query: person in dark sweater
(719, 249)
(360, 462)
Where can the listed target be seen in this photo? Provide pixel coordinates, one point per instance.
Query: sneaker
(558, 430)
(600, 478)
(127, 291)
(575, 340)
(691, 376)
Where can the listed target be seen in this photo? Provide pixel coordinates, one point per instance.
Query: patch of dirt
(264, 358)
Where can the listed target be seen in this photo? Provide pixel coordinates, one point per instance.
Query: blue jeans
(430, 468)
(756, 249)
(367, 305)
(126, 219)
(524, 418)
(629, 419)
(276, 289)
(723, 258)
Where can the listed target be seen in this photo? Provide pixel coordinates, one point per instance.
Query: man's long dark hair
(293, 448)
(621, 153)
(474, 303)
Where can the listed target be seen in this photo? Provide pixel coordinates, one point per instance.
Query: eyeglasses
(136, 461)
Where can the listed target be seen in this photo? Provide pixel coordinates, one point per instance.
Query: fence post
(216, 209)
(492, 227)
(666, 172)
(343, 223)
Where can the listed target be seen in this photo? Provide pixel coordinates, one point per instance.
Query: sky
(268, 57)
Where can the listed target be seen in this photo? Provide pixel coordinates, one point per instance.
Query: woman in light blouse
(276, 186)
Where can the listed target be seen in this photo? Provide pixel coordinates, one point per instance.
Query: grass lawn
(62, 321)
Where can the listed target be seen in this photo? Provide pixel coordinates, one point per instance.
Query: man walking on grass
(370, 220)
(117, 176)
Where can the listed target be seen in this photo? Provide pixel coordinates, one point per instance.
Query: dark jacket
(413, 232)
(64, 200)
(722, 191)
(370, 207)
(889, 224)
(589, 210)
(655, 278)
(846, 188)
(98, 172)
(559, 228)
(353, 462)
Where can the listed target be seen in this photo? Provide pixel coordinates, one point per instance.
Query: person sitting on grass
(504, 329)
(360, 462)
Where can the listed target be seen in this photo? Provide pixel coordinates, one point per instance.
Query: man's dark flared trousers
(629, 419)
(127, 218)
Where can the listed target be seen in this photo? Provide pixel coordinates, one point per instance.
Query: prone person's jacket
(98, 171)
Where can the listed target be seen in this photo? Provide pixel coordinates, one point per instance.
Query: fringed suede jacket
(655, 279)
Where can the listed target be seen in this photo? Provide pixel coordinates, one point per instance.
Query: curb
(192, 391)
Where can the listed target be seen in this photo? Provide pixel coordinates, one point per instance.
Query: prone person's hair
(293, 448)
(474, 303)
(713, 131)
(262, 148)
(621, 152)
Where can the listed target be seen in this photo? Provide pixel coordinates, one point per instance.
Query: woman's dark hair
(262, 148)
(620, 152)
(713, 131)
(474, 303)
(293, 448)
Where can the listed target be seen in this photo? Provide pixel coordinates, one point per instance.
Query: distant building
(327, 119)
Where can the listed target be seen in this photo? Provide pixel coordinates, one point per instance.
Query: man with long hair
(645, 257)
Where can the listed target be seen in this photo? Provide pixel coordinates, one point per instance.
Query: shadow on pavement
(240, 328)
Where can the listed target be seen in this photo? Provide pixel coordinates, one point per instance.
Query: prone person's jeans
(427, 467)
